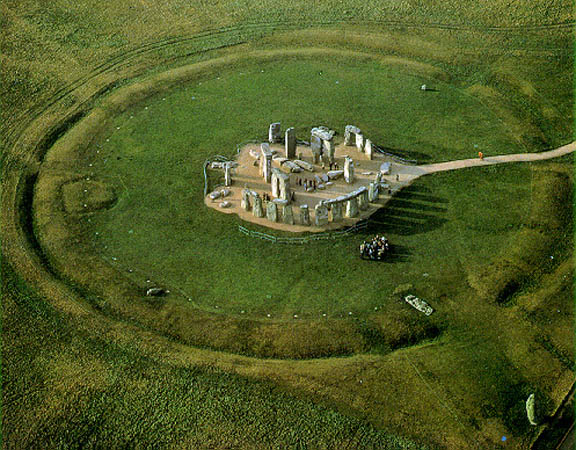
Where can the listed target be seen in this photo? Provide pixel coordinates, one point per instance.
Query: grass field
(89, 363)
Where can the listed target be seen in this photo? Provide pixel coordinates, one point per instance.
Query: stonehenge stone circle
(274, 133)
(290, 143)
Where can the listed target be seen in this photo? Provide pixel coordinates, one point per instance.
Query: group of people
(374, 249)
(304, 182)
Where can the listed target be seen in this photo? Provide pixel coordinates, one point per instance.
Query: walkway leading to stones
(488, 161)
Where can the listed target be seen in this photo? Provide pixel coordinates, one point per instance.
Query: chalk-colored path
(487, 161)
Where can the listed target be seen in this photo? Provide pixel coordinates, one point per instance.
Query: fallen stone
(320, 187)
(385, 168)
(419, 304)
(254, 154)
(214, 195)
(225, 192)
(335, 174)
(156, 292)
(304, 165)
(310, 189)
(224, 204)
(324, 178)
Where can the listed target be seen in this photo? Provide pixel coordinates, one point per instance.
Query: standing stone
(349, 170)
(336, 211)
(363, 198)
(368, 148)
(281, 185)
(360, 142)
(316, 148)
(227, 175)
(266, 162)
(245, 202)
(287, 215)
(378, 179)
(350, 133)
(274, 133)
(257, 211)
(304, 215)
(373, 192)
(328, 151)
(531, 410)
(290, 143)
(352, 207)
(321, 214)
(272, 212)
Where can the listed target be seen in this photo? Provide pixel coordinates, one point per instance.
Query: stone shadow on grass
(411, 211)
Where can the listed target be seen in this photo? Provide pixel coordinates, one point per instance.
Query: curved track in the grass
(27, 142)
(125, 57)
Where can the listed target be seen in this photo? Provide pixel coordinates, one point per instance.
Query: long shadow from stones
(406, 154)
(405, 217)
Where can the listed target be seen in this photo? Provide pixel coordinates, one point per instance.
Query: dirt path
(476, 162)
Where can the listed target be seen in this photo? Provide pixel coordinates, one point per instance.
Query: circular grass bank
(228, 290)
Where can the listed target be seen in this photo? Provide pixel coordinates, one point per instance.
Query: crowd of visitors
(374, 249)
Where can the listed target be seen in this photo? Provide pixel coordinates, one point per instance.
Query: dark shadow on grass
(405, 217)
(406, 154)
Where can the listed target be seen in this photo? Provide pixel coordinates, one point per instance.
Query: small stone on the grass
(295, 316)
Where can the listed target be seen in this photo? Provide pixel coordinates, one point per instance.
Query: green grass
(117, 397)
(161, 227)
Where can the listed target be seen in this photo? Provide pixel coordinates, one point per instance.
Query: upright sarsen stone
(360, 142)
(227, 175)
(245, 202)
(352, 207)
(266, 162)
(373, 192)
(290, 143)
(348, 170)
(274, 133)
(336, 209)
(316, 148)
(363, 198)
(368, 148)
(287, 215)
(350, 133)
(304, 215)
(257, 211)
(272, 212)
(321, 214)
